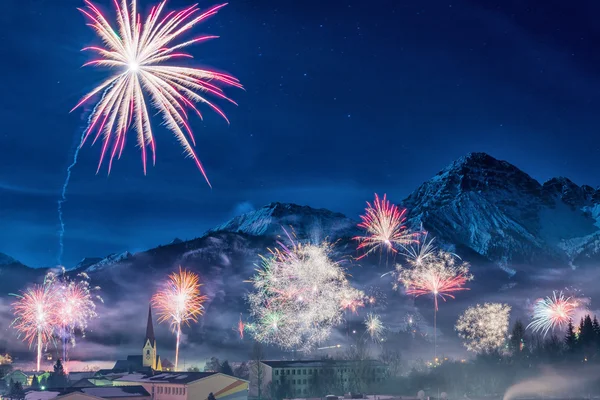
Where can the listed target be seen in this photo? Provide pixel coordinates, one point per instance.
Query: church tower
(149, 357)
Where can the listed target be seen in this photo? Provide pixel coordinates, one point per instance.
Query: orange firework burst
(179, 302)
(384, 223)
(240, 328)
(34, 317)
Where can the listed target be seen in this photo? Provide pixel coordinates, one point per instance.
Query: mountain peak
(306, 222)
(7, 260)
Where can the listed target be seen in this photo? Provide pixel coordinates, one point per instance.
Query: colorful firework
(484, 328)
(440, 274)
(384, 225)
(34, 316)
(179, 302)
(75, 307)
(138, 51)
(299, 295)
(552, 312)
(375, 298)
(422, 250)
(374, 326)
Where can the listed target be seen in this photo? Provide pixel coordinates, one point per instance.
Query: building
(148, 360)
(188, 385)
(24, 377)
(311, 377)
(92, 393)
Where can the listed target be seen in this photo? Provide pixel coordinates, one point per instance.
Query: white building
(188, 385)
(315, 377)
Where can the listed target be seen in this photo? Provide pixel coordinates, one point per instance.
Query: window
(288, 371)
(184, 391)
(303, 372)
(293, 372)
(147, 352)
(276, 372)
(304, 381)
(310, 371)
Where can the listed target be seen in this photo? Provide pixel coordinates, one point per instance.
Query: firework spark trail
(299, 295)
(139, 51)
(552, 312)
(384, 226)
(62, 200)
(179, 302)
(484, 328)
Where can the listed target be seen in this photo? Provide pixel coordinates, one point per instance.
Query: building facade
(315, 378)
(188, 385)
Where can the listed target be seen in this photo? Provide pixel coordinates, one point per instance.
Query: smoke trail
(63, 199)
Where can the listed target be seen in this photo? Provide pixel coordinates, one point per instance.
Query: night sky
(343, 99)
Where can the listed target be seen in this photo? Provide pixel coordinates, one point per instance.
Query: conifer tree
(517, 338)
(570, 338)
(35, 383)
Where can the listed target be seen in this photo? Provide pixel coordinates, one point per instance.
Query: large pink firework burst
(138, 50)
(384, 226)
(35, 317)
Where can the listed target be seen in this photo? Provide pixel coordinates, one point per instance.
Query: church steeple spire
(150, 329)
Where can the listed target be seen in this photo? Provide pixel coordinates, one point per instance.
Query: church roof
(150, 329)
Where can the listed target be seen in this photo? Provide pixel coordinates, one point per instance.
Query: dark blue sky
(343, 99)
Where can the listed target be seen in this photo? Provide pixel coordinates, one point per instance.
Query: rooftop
(109, 392)
(167, 377)
(317, 363)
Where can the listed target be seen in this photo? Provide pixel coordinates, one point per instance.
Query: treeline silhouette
(524, 356)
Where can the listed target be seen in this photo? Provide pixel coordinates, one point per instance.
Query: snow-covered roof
(40, 395)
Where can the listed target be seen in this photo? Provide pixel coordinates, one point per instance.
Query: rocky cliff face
(503, 214)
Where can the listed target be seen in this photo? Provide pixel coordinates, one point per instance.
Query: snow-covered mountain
(491, 212)
(303, 221)
(498, 211)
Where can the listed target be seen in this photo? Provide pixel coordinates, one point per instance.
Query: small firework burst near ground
(553, 312)
(374, 326)
(484, 328)
(179, 302)
(384, 227)
(440, 274)
(299, 295)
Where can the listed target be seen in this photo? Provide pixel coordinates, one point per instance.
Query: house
(92, 393)
(300, 376)
(23, 377)
(188, 385)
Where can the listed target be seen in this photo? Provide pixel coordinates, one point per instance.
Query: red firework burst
(384, 225)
